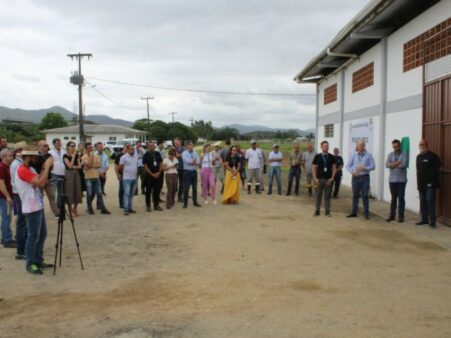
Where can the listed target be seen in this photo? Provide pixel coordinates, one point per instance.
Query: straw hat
(31, 151)
(19, 145)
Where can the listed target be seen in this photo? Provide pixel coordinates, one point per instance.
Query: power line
(110, 99)
(218, 92)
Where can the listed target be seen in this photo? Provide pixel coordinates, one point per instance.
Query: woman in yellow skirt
(232, 179)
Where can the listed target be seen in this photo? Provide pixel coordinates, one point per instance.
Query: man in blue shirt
(359, 165)
(190, 163)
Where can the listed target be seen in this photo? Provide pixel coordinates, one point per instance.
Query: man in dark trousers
(179, 149)
(337, 181)
(323, 170)
(152, 165)
(428, 180)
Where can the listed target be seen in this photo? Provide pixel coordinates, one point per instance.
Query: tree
(52, 120)
(226, 133)
(203, 129)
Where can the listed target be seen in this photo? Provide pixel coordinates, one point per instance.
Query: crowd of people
(67, 176)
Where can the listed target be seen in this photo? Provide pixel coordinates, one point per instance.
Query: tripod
(59, 236)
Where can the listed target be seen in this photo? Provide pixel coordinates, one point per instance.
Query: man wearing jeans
(28, 182)
(360, 164)
(58, 169)
(275, 162)
(190, 163)
(295, 170)
(428, 181)
(397, 163)
(91, 163)
(323, 170)
(254, 158)
(6, 198)
(128, 167)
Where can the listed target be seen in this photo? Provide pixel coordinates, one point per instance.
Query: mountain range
(248, 129)
(35, 116)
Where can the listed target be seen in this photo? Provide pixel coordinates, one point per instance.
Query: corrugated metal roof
(377, 20)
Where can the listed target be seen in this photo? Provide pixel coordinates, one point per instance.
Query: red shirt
(5, 175)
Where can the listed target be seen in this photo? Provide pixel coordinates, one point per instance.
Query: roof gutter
(342, 55)
(365, 15)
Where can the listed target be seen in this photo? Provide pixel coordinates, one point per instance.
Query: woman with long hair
(207, 174)
(170, 165)
(232, 179)
(81, 152)
(72, 183)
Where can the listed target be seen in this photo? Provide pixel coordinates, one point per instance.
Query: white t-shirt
(168, 163)
(58, 162)
(206, 160)
(254, 158)
(30, 195)
(130, 162)
(275, 156)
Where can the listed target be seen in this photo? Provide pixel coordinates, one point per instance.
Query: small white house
(387, 75)
(94, 133)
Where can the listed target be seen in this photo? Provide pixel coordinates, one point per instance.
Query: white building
(385, 76)
(94, 133)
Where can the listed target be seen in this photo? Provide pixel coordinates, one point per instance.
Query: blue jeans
(57, 181)
(295, 173)
(361, 187)
(397, 190)
(275, 171)
(7, 234)
(189, 179)
(129, 187)
(21, 225)
(427, 205)
(37, 233)
(94, 189)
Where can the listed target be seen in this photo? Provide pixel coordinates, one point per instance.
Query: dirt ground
(264, 268)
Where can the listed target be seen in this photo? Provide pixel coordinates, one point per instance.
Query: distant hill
(248, 129)
(35, 116)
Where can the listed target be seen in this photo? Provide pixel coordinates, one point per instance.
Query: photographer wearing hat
(28, 182)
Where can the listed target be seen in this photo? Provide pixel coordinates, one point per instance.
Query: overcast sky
(233, 45)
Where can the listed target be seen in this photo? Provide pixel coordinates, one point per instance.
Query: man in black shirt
(337, 180)
(428, 174)
(152, 165)
(324, 170)
(179, 149)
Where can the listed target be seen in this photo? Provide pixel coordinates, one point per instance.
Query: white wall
(333, 141)
(369, 96)
(74, 137)
(397, 128)
(410, 83)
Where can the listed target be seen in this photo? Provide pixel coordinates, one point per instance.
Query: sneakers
(20, 257)
(206, 202)
(45, 265)
(10, 244)
(105, 212)
(34, 269)
(351, 215)
(91, 211)
(148, 209)
(126, 213)
(132, 211)
(316, 213)
(158, 208)
(215, 202)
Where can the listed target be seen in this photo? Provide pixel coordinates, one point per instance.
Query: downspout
(342, 108)
(382, 122)
(317, 118)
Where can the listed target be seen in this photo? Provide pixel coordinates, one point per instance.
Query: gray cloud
(216, 45)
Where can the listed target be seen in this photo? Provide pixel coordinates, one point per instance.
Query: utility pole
(148, 114)
(192, 121)
(173, 116)
(79, 80)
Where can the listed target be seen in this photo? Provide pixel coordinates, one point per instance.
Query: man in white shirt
(254, 158)
(128, 167)
(58, 169)
(275, 165)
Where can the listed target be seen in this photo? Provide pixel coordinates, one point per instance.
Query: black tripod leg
(58, 234)
(77, 243)
(61, 243)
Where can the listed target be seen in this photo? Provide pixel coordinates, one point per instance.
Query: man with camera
(28, 184)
